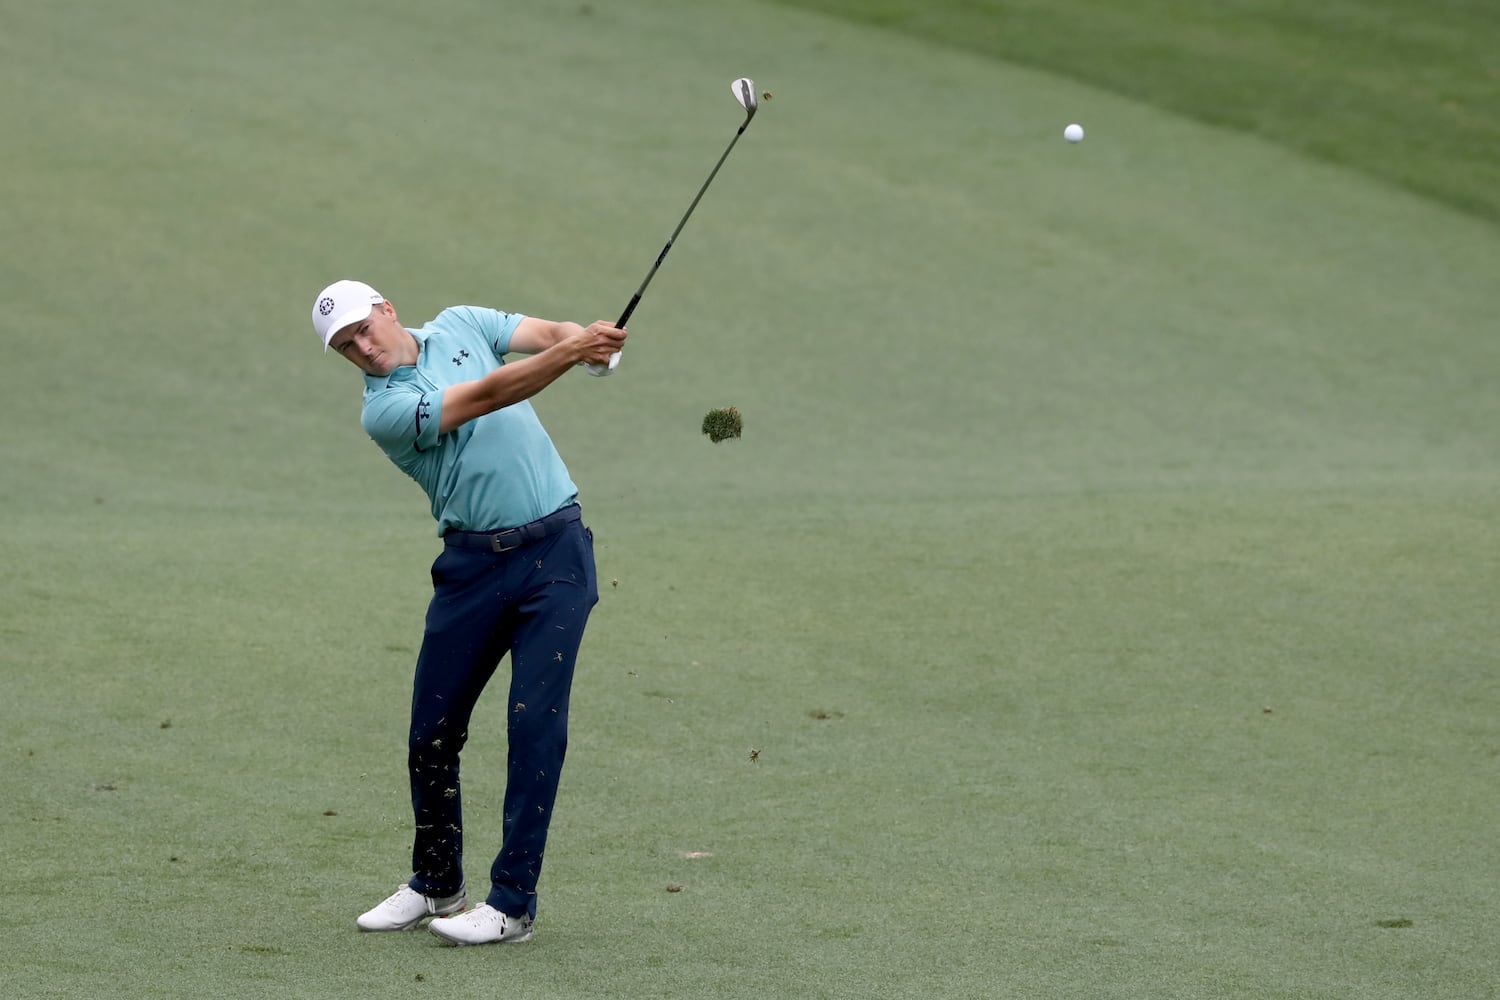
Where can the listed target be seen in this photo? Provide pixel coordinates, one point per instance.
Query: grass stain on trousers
(532, 602)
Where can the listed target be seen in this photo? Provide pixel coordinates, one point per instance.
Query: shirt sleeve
(494, 326)
(402, 419)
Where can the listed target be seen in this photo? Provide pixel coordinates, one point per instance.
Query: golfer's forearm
(510, 383)
(535, 335)
(562, 331)
(525, 377)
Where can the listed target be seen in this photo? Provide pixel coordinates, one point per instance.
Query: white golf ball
(1073, 133)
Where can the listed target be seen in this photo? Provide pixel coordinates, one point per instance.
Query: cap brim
(356, 315)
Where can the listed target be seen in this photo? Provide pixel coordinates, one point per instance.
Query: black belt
(514, 538)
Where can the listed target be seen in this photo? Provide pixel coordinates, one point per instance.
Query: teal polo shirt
(495, 471)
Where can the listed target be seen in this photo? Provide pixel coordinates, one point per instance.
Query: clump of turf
(722, 424)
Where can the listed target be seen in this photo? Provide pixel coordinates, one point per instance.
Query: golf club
(744, 92)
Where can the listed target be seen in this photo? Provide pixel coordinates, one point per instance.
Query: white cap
(340, 304)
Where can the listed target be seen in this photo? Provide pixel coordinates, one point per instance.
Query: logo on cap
(325, 305)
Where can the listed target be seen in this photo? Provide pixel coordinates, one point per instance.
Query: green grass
(1105, 577)
(1400, 91)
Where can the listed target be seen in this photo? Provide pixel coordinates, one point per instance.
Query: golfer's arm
(533, 335)
(510, 383)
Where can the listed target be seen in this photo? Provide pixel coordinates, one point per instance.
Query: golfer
(516, 575)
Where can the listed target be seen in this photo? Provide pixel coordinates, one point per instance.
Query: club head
(744, 92)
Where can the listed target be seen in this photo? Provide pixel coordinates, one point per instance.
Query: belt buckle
(496, 546)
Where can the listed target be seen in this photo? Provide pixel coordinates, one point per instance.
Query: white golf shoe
(482, 925)
(406, 908)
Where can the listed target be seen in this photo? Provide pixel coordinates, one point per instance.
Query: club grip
(635, 300)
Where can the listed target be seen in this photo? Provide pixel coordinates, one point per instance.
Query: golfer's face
(378, 345)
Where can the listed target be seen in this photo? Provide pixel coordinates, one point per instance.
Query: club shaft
(636, 298)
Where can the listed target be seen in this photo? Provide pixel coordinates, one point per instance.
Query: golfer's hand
(600, 344)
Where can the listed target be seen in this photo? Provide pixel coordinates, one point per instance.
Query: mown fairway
(1105, 585)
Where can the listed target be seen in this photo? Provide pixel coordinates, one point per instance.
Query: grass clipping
(723, 424)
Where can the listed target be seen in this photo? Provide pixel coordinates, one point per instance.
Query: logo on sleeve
(462, 355)
(424, 413)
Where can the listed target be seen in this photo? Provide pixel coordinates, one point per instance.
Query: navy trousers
(531, 601)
